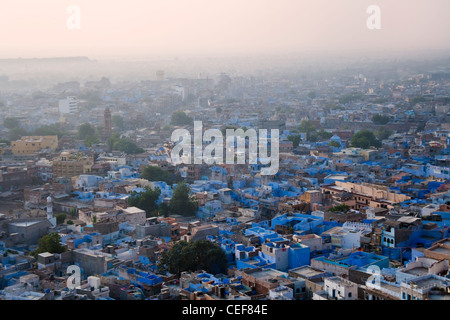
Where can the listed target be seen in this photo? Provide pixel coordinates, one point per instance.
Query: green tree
(11, 123)
(181, 202)
(17, 133)
(55, 129)
(115, 142)
(347, 98)
(307, 127)
(85, 130)
(340, 208)
(322, 135)
(179, 118)
(380, 119)
(93, 98)
(90, 140)
(383, 133)
(163, 209)
(193, 256)
(419, 99)
(60, 218)
(73, 212)
(364, 139)
(295, 138)
(334, 144)
(154, 173)
(49, 243)
(145, 200)
(117, 121)
(312, 94)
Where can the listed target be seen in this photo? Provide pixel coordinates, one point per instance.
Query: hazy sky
(37, 28)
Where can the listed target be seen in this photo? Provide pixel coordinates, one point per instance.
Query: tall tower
(50, 211)
(108, 123)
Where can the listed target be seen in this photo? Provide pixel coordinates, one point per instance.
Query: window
(349, 294)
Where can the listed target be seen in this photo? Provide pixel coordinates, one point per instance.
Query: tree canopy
(179, 118)
(145, 200)
(11, 123)
(154, 173)
(334, 144)
(383, 133)
(364, 139)
(308, 127)
(193, 256)
(295, 138)
(49, 243)
(117, 121)
(55, 129)
(340, 208)
(380, 119)
(85, 130)
(115, 142)
(181, 202)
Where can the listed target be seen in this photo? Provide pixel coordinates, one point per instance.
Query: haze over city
(139, 28)
(244, 152)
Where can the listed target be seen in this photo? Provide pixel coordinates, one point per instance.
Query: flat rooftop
(132, 210)
(419, 271)
(425, 283)
(341, 281)
(441, 250)
(267, 274)
(306, 272)
(390, 287)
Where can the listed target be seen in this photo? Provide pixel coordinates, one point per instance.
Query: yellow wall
(32, 144)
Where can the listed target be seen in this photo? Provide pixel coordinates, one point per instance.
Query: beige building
(374, 191)
(71, 165)
(32, 144)
(131, 215)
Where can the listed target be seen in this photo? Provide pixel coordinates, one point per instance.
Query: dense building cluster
(358, 210)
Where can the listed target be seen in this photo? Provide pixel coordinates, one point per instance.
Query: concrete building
(31, 144)
(133, 215)
(439, 250)
(264, 280)
(342, 264)
(94, 262)
(427, 287)
(420, 267)
(28, 231)
(201, 232)
(337, 288)
(68, 106)
(71, 165)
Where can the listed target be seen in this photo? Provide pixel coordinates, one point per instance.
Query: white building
(349, 235)
(87, 182)
(281, 293)
(68, 105)
(337, 288)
